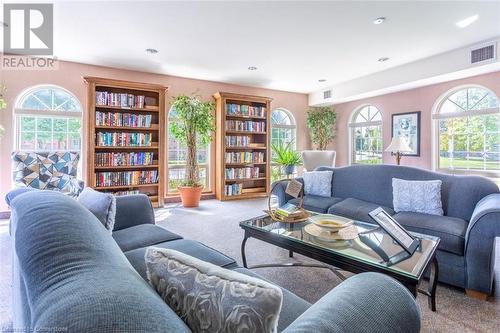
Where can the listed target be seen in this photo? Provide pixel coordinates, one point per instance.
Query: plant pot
(190, 195)
(289, 169)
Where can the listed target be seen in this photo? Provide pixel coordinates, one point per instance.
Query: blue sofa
(70, 274)
(467, 230)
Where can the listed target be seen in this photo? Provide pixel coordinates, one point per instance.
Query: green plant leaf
(285, 155)
(321, 122)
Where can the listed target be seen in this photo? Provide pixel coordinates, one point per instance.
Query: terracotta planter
(190, 196)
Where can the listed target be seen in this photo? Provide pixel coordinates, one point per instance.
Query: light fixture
(152, 51)
(398, 146)
(322, 80)
(379, 20)
(252, 68)
(383, 59)
(467, 21)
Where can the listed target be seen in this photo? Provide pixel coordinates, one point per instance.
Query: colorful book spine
(245, 110)
(114, 139)
(242, 173)
(122, 100)
(126, 178)
(248, 126)
(233, 189)
(237, 141)
(245, 157)
(119, 119)
(123, 159)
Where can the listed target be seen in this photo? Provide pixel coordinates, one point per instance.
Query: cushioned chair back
(373, 183)
(76, 277)
(44, 170)
(316, 158)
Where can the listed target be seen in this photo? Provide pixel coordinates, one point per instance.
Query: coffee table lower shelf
(337, 263)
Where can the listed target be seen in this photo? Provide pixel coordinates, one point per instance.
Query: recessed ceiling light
(467, 21)
(379, 20)
(383, 59)
(252, 68)
(322, 80)
(152, 51)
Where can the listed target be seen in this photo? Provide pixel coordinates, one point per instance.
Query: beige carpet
(215, 223)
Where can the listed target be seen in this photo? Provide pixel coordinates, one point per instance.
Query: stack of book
(237, 141)
(113, 139)
(242, 173)
(233, 189)
(288, 211)
(124, 178)
(122, 119)
(245, 157)
(245, 110)
(118, 159)
(248, 125)
(105, 98)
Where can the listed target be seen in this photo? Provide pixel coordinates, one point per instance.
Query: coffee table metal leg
(243, 256)
(290, 254)
(433, 284)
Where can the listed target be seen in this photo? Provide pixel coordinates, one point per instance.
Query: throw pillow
(102, 205)
(210, 298)
(417, 196)
(318, 183)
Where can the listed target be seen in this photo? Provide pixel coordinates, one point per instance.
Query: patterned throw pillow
(102, 205)
(318, 183)
(417, 196)
(209, 298)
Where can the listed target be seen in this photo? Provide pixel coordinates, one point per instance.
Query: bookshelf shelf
(128, 103)
(242, 135)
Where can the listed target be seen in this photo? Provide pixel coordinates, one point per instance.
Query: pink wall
(420, 99)
(70, 76)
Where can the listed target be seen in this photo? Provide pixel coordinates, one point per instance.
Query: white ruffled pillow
(417, 196)
(318, 183)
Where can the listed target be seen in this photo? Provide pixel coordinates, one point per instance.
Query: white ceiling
(293, 44)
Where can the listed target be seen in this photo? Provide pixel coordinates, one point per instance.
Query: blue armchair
(47, 171)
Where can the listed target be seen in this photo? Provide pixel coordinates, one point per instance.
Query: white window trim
(436, 116)
(352, 125)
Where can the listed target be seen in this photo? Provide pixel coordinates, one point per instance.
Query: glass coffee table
(361, 254)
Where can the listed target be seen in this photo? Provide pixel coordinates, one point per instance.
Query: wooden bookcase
(237, 161)
(137, 163)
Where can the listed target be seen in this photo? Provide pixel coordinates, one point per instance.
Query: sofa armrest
(132, 210)
(483, 227)
(279, 190)
(367, 302)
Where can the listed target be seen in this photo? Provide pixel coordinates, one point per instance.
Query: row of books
(242, 173)
(114, 139)
(121, 193)
(245, 157)
(105, 98)
(118, 159)
(245, 110)
(233, 189)
(237, 141)
(123, 178)
(122, 119)
(248, 125)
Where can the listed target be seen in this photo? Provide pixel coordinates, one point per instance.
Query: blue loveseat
(467, 230)
(71, 275)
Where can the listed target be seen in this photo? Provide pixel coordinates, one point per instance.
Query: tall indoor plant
(285, 156)
(194, 125)
(321, 122)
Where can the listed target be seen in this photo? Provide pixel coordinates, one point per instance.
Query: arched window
(467, 123)
(366, 136)
(177, 153)
(283, 131)
(48, 118)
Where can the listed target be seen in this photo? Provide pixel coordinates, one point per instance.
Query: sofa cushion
(317, 203)
(293, 305)
(419, 196)
(210, 298)
(318, 183)
(142, 235)
(357, 209)
(190, 247)
(451, 230)
(102, 205)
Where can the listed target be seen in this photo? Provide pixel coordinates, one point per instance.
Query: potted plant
(321, 121)
(194, 126)
(286, 157)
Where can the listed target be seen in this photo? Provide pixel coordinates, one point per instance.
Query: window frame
(352, 125)
(19, 112)
(207, 166)
(437, 116)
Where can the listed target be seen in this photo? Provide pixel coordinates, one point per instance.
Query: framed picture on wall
(407, 125)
